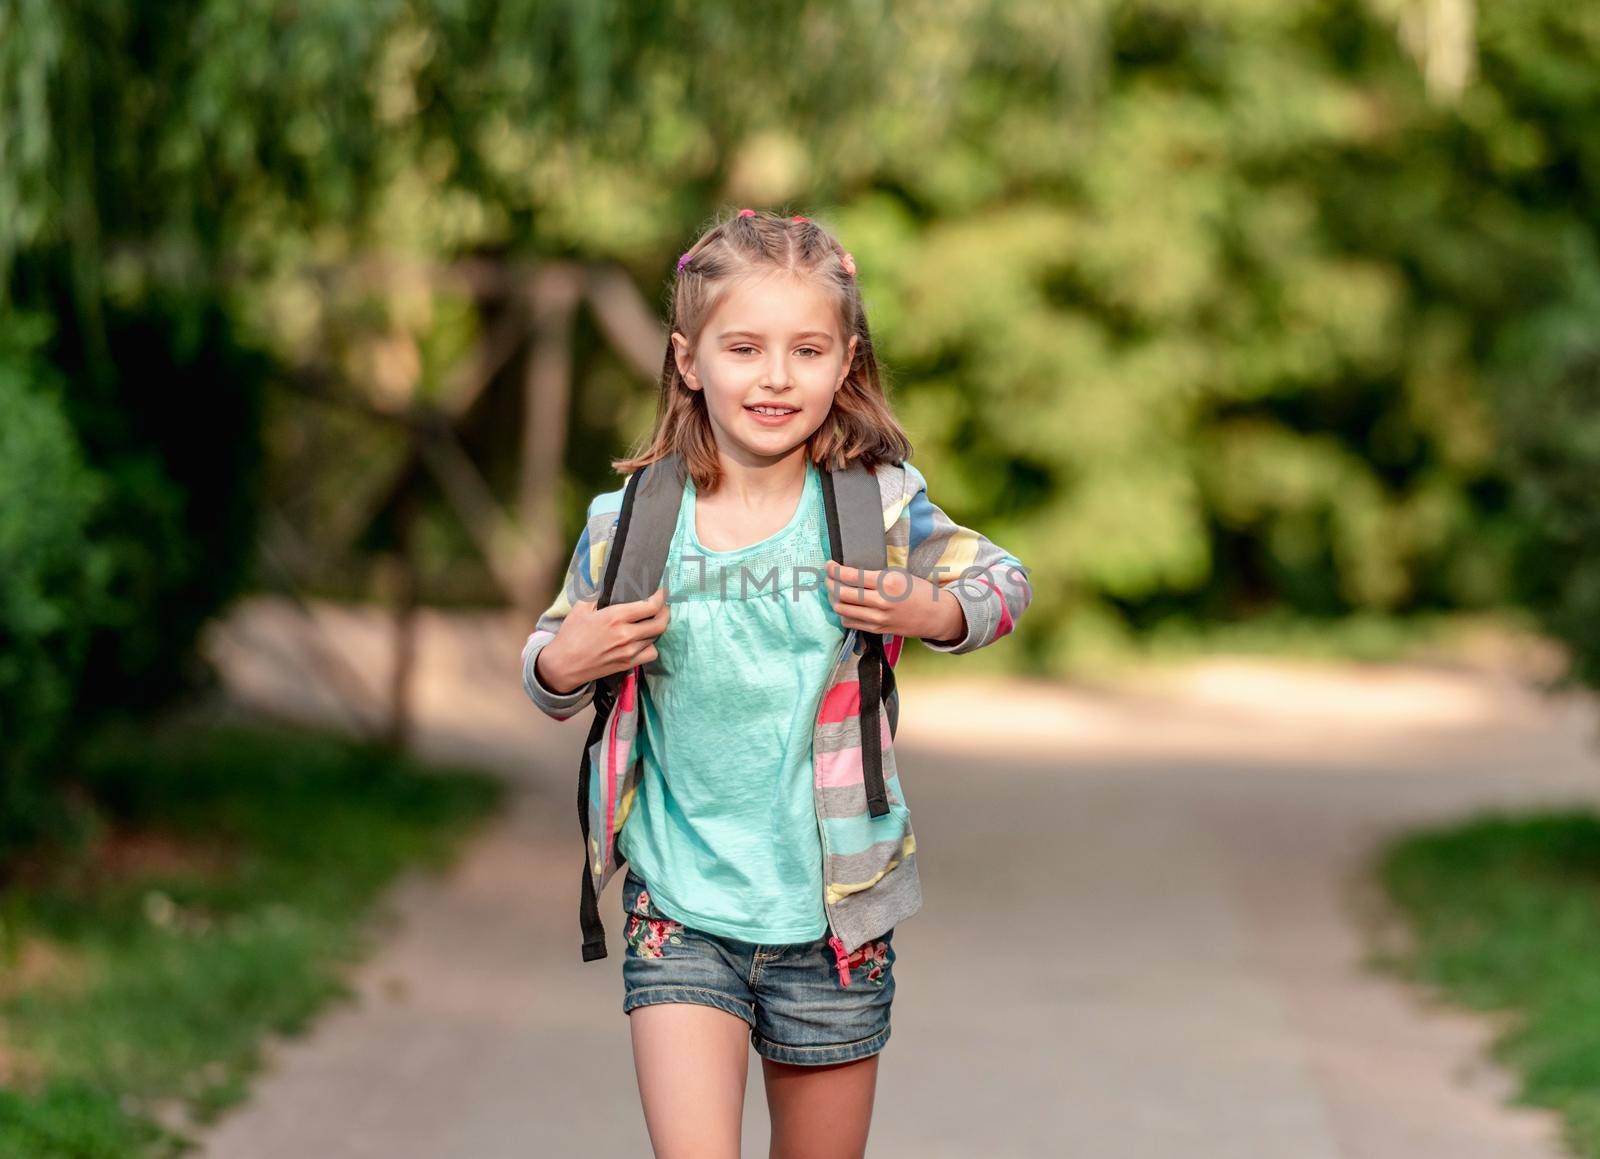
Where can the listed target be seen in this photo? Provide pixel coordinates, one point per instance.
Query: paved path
(1139, 937)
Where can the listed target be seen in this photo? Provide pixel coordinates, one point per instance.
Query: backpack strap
(635, 560)
(854, 507)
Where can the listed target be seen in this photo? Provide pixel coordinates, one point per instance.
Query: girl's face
(773, 342)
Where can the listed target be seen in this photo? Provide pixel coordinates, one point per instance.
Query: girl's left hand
(893, 602)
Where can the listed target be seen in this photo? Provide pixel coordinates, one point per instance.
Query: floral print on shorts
(648, 929)
(871, 959)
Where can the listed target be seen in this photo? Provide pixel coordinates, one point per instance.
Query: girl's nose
(778, 374)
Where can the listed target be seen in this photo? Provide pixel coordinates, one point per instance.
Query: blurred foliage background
(1216, 312)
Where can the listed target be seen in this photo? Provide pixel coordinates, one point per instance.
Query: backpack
(635, 563)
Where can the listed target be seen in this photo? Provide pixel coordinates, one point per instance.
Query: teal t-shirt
(724, 827)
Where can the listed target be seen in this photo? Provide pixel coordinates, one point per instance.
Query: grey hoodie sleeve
(992, 585)
(584, 569)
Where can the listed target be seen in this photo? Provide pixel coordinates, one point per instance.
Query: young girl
(761, 893)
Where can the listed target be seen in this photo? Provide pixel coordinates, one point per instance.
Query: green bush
(53, 578)
(1550, 400)
(172, 418)
(129, 481)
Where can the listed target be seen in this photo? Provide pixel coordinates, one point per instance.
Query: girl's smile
(772, 414)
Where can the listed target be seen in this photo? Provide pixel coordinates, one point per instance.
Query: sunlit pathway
(1138, 939)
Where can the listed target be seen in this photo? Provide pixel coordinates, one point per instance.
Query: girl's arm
(992, 586)
(584, 572)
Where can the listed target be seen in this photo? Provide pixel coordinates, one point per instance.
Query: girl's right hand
(593, 642)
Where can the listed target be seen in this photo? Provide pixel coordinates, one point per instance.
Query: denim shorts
(791, 995)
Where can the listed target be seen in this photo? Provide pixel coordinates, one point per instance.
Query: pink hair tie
(683, 261)
(797, 217)
(747, 213)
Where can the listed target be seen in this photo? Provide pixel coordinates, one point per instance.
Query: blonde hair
(860, 424)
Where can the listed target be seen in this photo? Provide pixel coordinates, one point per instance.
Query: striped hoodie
(870, 880)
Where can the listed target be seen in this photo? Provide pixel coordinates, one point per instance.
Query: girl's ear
(683, 355)
(849, 361)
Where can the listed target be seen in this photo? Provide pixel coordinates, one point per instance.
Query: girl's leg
(692, 1062)
(820, 1112)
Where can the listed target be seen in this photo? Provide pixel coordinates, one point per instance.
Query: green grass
(1502, 914)
(139, 976)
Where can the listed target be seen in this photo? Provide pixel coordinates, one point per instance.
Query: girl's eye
(815, 353)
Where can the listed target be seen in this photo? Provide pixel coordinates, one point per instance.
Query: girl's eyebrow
(726, 334)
